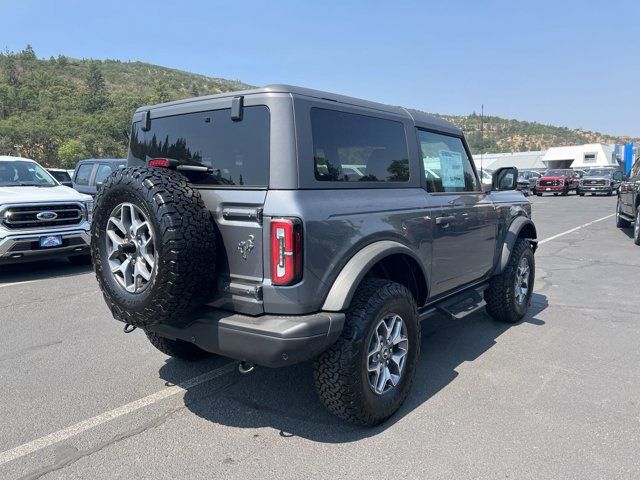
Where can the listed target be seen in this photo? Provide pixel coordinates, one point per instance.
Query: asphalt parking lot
(556, 396)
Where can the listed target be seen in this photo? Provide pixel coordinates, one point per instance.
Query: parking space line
(2, 285)
(80, 427)
(574, 229)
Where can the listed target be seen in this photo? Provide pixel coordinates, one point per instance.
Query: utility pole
(481, 138)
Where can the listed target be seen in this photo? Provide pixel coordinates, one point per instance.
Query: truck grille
(594, 182)
(26, 217)
(549, 183)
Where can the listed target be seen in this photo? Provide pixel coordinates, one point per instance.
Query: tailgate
(239, 260)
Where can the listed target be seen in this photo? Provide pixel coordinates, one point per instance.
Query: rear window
(349, 147)
(83, 173)
(238, 151)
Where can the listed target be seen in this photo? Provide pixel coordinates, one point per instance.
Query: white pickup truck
(39, 218)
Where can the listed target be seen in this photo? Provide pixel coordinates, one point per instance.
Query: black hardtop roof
(421, 119)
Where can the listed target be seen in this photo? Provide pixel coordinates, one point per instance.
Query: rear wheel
(366, 375)
(539, 194)
(177, 348)
(509, 293)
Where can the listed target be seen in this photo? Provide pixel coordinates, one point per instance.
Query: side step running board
(459, 305)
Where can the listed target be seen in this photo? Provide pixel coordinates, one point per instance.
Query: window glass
(103, 172)
(447, 168)
(61, 176)
(83, 174)
(349, 147)
(238, 151)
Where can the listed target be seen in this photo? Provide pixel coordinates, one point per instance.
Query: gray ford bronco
(285, 224)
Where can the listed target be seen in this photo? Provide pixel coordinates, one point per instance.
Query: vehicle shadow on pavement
(284, 399)
(28, 271)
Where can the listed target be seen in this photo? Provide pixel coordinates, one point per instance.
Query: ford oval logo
(44, 216)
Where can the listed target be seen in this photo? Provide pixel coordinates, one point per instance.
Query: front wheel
(509, 294)
(366, 375)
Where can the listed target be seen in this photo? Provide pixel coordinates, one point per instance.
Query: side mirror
(505, 178)
(99, 185)
(67, 183)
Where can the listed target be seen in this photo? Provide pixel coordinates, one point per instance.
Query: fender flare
(347, 281)
(510, 238)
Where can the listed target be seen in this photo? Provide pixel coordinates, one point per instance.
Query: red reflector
(286, 251)
(159, 162)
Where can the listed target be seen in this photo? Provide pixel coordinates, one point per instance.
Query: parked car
(557, 181)
(532, 177)
(39, 218)
(600, 180)
(90, 174)
(628, 206)
(224, 247)
(61, 175)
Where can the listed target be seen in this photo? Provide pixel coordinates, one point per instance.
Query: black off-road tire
(184, 244)
(581, 193)
(539, 194)
(177, 348)
(500, 296)
(80, 259)
(340, 372)
(620, 221)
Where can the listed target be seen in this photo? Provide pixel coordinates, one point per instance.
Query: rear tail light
(286, 251)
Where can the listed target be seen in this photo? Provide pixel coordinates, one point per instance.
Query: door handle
(445, 221)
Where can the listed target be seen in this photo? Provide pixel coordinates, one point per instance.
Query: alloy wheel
(388, 347)
(130, 247)
(522, 281)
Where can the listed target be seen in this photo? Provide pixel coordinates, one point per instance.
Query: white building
(577, 156)
(520, 160)
(580, 156)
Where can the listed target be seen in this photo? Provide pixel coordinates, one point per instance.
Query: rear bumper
(24, 247)
(268, 340)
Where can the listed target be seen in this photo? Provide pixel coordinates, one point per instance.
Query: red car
(558, 182)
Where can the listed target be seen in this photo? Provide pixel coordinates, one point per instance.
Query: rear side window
(83, 174)
(103, 172)
(447, 167)
(238, 151)
(349, 147)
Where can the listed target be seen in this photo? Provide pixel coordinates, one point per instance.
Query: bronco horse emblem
(245, 246)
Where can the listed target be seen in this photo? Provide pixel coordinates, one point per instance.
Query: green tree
(70, 152)
(160, 92)
(28, 53)
(96, 96)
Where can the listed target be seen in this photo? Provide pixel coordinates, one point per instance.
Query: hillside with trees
(60, 110)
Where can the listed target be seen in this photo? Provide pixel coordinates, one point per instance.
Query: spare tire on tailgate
(153, 246)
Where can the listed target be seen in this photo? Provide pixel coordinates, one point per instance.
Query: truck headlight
(88, 208)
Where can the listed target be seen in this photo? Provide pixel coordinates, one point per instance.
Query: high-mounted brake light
(159, 162)
(286, 251)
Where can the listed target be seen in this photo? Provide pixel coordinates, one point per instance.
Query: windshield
(599, 172)
(61, 176)
(20, 173)
(555, 173)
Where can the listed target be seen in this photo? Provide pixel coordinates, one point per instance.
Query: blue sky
(569, 63)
